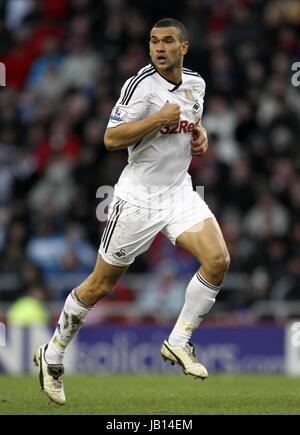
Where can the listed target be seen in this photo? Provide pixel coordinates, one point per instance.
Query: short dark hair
(171, 22)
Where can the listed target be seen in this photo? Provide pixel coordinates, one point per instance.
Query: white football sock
(199, 298)
(71, 319)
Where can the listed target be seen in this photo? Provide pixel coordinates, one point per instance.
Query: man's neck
(173, 76)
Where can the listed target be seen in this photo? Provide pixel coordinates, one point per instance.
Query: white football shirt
(158, 164)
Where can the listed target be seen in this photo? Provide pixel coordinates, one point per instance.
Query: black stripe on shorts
(109, 223)
(110, 231)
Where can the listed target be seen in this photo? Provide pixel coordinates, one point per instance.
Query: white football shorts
(130, 229)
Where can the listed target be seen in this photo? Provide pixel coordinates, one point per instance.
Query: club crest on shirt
(196, 106)
(118, 115)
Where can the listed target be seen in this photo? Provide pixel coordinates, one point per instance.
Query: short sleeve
(131, 106)
(199, 93)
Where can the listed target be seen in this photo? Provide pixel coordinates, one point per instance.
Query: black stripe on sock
(207, 284)
(78, 301)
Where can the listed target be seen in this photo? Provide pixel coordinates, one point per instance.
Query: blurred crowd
(66, 61)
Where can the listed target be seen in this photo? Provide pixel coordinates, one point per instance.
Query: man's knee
(218, 263)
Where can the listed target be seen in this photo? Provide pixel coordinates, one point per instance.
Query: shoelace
(58, 384)
(191, 353)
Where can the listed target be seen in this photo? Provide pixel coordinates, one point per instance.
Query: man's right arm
(128, 133)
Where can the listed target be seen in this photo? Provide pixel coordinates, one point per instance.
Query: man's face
(166, 48)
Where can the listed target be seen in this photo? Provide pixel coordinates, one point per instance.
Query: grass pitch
(155, 395)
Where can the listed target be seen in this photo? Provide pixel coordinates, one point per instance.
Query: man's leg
(49, 357)
(79, 302)
(205, 241)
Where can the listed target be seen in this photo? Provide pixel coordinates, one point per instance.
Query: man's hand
(199, 140)
(169, 114)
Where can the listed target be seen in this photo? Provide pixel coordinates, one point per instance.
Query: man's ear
(185, 47)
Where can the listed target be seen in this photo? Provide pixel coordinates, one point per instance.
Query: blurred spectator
(16, 11)
(29, 310)
(267, 218)
(220, 121)
(163, 295)
(61, 143)
(55, 187)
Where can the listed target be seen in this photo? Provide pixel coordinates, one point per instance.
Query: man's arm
(128, 133)
(199, 140)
